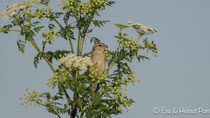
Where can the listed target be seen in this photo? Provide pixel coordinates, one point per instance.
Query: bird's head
(100, 47)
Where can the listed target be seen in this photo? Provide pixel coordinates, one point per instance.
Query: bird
(98, 59)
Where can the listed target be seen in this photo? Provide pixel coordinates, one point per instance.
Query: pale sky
(177, 77)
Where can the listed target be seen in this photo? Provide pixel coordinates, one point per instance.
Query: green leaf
(95, 40)
(43, 45)
(6, 28)
(21, 45)
(45, 2)
(66, 17)
(36, 22)
(37, 29)
(110, 3)
(50, 56)
(99, 24)
(90, 30)
(36, 59)
(113, 57)
(56, 15)
(63, 32)
(128, 59)
(70, 32)
(51, 26)
(57, 98)
(142, 57)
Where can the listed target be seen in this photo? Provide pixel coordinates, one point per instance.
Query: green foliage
(99, 23)
(95, 40)
(21, 45)
(50, 56)
(73, 78)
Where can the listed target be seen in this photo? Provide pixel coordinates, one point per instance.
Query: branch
(81, 115)
(70, 42)
(78, 43)
(38, 50)
(81, 44)
(14, 30)
(48, 62)
(51, 107)
(74, 111)
(110, 67)
(139, 36)
(67, 95)
(115, 61)
(85, 31)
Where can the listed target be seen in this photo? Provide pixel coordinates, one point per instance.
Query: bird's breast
(99, 59)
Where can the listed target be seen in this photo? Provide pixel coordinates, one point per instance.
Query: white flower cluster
(141, 28)
(11, 10)
(79, 62)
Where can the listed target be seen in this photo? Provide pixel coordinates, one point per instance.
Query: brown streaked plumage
(98, 58)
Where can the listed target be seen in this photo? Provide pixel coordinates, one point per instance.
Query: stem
(14, 30)
(85, 31)
(72, 49)
(81, 44)
(80, 104)
(78, 43)
(50, 65)
(139, 36)
(74, 107)
(107, 70)
(67, 95)
(38, 50)
(47, 106)
(81, 115)
(45, 58)
(81, 36)
(115, 61)
(74, 111)
(70, 42)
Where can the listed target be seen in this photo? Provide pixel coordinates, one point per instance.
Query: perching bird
(98, 58)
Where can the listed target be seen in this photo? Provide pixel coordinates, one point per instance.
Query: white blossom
(141, 28)
(129, 22)
(82, 63)
(2, 13)
(13, 13)
(11, 10)
(36, 1)
(22, 7)
(5, 18)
